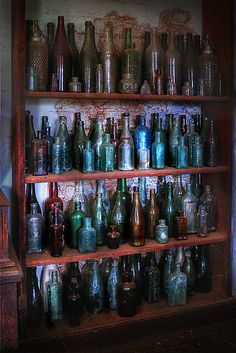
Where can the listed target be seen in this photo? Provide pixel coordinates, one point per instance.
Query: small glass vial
(145, 88)
(197, 153)
(171, 87)
(187, 90)
(202, 222)
(40, 153)
(113, 238)
(53, 83)
(161, 233)
(126, 155)
(158, 152)
(181, 226)
(181, 154)
(99, 79)
(107, 155)
(56, 157)
(201, 88)
(88, 158)
(75, 85)
(159, 83)
(143, 157)
(31, 80)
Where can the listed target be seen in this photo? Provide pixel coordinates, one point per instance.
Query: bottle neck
(114, 132)
(171, 44)
(121, 186)
(60, 28)
(55, 191)
(128, 38)
(71, 34)
(89, 37)
(189, 43)
(31, 191)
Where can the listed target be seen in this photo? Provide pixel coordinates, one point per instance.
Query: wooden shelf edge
(72, 255)
(74, 175)
(119, 96)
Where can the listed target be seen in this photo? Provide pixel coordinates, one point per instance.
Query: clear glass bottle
(97, 140)
(177, 287)
(174, 138)
(202, 222)
(189, 204)
(187, 90)
(180, 227)
(107, 155)
(79, 196)
(183, 123)
(209, 201)
(190, 64)
(86, 236)
(159, 83)
(75, 53)
(172, 63)
(161, 232)
(137, 222)
(101, 189)
(75, 221)
(45, 277)
(55, 303)
(112, 285)
(75, 85)
(181, 154)
(99, 219)
(211, 147)
(126, 197)
(143, 157)
(151, 216)
(66, 145)
(88, 158)
(34, 231)
(125, 155)
(31, 80)
(158, 152)
(40, 155)
(126, 130)
(99, 79)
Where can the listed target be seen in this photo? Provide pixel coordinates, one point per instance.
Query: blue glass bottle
(158, 152)
(107, 155)
(57, 157)
(177, 287)
(34, 230)
(125, 155)
(112, 285)
(173, 143)
(86, 237)
(88, 158)
(197, 160)
(189, 141)
(99, 220)
(181, 154)
(94, 290)
(142, 135)
(47, 136)
(66, 145)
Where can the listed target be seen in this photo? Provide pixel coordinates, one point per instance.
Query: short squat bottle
(55, 299)
(56, 235)
(181, 154)
(86, 237)
(34, 230)
(177, 287)
(197, 153)
(126, 296)
(189, 206)
(107, 155)
(161, 232)
(158, 152)
(209, 200)
(202, 228)
(88, 158)
(113, 238)
(40, 153)
(126, 155)
(137, 225)
(180, 226)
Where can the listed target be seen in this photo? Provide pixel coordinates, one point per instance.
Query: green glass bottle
(189, 204)
(75, 223)
(169, 209)
(97, 140)
(94, 290)
(151, 281)
(79, 144)
(177, 287)
(107, 155)
(55, 303)
(174, 142)
(125, 195)
(181, 154)
(66, 145)
(99, 219)
(118, 217)
(151, 216)
(189, 269)
(30, 136)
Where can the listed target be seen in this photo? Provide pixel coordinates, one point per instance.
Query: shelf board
(72, 255)
(119, 96)
(74, 174)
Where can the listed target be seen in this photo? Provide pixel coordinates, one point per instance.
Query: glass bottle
(169, 267)
(88, 158)
(142, 193)
(196, 185)
(97, 139)
(151, 281)
(50, 34)
(177, 287)
(208, 66)
(164, 40)
(109, 60)
(79, 196)
(142, 135)
(143, 157)
(159, 82)
(75, 223)
(34, 230)
(99, 78)
(112, 285)
(158, 152)
(45, 276)
(31, 80)
(189, 141)
(136, 272)
(115, 142)
(74, 50)
(113, 237)
(126, 296)
(55, 304)
(94, 301)
(60, 219)
(181, 226)
(75, 85)
(73, 272)
(89, 59)
(209, 201)
(181, 154)
(37, 56)
(174, 137)
(169, 209)
(187, 90)
(101, 189)
(73, 304)
(47, 136)
(49, 202)
(202, 222)
(125, 195)
(151, 216)
(172, 63)
(31, 198)
(105, 269)
(204, 130)
(198, 123)
(107, 154)
(125, 155)
(190, 64)
(189, 204)
(179, 257)
(99, 219)
(35, 312)
(86, 236)
(145, 89)
(197, 153)
(57, 157)
(204, 270)
(30, 136)
(168, 129)
(126, 130)
(154, 60)
(189, 269)
(127, 84)
(56, 235)
(197, 45)
(178, 192)
(183, 124)
(66, 145)
(61, 57)
(79, 143)
(40, 155)
(132, 59)
(118, 217)
(146, 44)
(161, 232)
(137, 222)
(211, 147)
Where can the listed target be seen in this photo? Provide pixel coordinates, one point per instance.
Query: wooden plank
(71, 255)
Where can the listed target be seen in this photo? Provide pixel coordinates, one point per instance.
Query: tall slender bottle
(66, 145)
(172, 63)
(169, 209)
(74, 50)
(35, 312)
(94, 290)
(112, 285)
(97, 142)
(40, 153)
(151, 216)
(190, 64)
(79, 143)
(173, 143)
(115, 143)
(189, 269)
(89, 59)
(136, 271)
(146, 44)
(126, 129)
(189, 206)
(47, 136)
(30, 135)
(55, 303)
(107, 154)
(49, 202)
(61, 57)
(178, 193)
(209, 201)
(56, 235)
(45, 276)
(31, 198)
(211, 147)
(151, 281)
(137, 223)
(101, 189)
(126, 197)
(99, 219)
(34, 230)
(50, 34)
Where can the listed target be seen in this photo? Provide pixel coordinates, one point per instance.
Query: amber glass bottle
(152, 215)
(137, 225)
(49, 202)
(180, 226)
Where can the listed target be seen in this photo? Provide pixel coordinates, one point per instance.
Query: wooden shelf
(74, 174)
(119, 96)
(72, 255)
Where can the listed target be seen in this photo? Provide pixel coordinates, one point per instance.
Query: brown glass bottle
(49, 202)
(56, 235)
(40, 153)
(152, 216)
(113, 237)
(137, 223)
(61, 57)
(29, 137)
(126, 296)
(172, 63)
(180, 229)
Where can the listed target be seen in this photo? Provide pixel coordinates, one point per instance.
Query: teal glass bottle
(189, 269)
(161, 232)
(94, 290)
(34, 230)
(158, 152)
(99, 220)
(47, 136)
(30, 136)
(189, 141)
(55, 298)
(86, 237)
(179, 257)
(142, 193)
(189, 204)
(79, 143)
(126, 155)
(97, 140)
(75, 223)
(169, 209)
(177, 287)
(209, 201)
(181, 154)
(57, 157)
(43, 282)
(178, 193)
(66, 145)
(112, 285)
(151, 281)
(197, 155)
(169, 267)
(136, 272)
(118, 217)
(88, 158)
(101, 189)
(142, 135)
(107, 154)
(173, 143)
(35, 311)
(204, 270)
